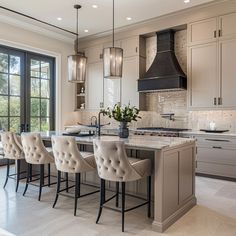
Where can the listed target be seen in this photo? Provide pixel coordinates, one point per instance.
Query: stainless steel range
(159, 131)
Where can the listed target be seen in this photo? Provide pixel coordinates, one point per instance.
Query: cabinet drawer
(215, 155)
(209, 142)
(216, 169)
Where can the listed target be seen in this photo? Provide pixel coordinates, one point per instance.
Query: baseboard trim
(162, 226)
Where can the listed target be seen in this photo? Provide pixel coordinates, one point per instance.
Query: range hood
(165, 72)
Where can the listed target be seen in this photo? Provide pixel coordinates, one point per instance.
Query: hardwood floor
(215, 214)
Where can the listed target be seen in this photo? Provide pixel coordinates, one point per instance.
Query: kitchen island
(173, 173)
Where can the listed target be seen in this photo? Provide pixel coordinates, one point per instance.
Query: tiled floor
(215, 214)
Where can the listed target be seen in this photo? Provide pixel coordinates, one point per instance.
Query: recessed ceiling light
(94, 6)
(59, 18)
(128, 18)
(86, 31)
(186, 1)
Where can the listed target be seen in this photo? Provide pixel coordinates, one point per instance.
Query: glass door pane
(41, 91)
(11, 79)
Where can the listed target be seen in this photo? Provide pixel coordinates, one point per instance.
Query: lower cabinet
(216, 155)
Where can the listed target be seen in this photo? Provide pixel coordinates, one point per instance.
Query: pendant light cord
(77, 29)
(113, 26)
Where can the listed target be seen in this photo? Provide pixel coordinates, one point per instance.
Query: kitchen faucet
(99, 122)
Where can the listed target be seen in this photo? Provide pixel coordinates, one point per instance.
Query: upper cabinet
(202, 31)
(102, 92)
(227, 25)
(211, 63)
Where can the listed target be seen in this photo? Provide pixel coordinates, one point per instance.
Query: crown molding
(36, 29)
(137, 25)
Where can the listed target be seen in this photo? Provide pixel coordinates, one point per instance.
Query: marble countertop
(134, 141)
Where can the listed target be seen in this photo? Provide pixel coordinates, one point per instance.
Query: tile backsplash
(168, 102)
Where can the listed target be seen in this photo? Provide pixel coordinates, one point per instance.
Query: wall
(20, 38)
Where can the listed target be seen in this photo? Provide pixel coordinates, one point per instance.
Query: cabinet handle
(220, 33)
(217, 147)
(136, 49)
(215, 34)
(217, 140)
(219, 101)
(215, 103)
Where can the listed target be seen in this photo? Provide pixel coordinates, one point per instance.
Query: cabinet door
(112, 92)
(130, 46)
(202, 31)
(94, 85)
(94, 54)
(129, 82)
(227, 75)
(227, 25)
(203, 75)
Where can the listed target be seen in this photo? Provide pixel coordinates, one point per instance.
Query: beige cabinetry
(202, 31)
(94, 86)
(203, 74)
(216, 155)
(211, 63)
(102, 92)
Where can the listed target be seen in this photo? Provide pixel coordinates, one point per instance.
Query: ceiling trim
(149, 21)
(36, 29)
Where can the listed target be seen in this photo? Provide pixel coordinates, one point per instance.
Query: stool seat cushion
(89, 158)
(142, 166)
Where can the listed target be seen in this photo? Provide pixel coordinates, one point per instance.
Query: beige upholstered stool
(36, 154)
(69, 159)
(114, 165)
(12, 150)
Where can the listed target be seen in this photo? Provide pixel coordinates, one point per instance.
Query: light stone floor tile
(215, 214)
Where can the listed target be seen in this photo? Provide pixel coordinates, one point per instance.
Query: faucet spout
(99, 122)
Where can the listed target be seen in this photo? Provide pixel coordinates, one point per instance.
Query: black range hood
(165, 72)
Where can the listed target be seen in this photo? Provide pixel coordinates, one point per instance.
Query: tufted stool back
(34, 149)
(12, 148)
(112, 161)
(67, 155)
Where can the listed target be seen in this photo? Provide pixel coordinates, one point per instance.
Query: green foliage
(125, 114)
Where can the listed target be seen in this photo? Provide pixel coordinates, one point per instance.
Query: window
(26, 91)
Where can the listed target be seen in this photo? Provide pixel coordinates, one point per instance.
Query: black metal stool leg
(79, 184)
(149, 187)
(31, 171)
(49, 175)
(7, 174)
(123, 205)
(29, 167)
(58, 187)
(67, 182)
(17, 174)
(77, 177)
(102, 199)
(117, 194)
(41, 180)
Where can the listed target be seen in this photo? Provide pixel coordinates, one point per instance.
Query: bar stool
(114, 165)
(70, 160)
(36, 154)
(12, 150)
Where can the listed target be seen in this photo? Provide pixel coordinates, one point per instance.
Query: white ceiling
(95, 20)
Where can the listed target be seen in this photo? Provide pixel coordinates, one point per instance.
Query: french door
(26, 91)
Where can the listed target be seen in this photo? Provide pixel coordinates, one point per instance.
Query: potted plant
(124, 115)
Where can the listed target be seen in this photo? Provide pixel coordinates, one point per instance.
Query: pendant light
(77, 62)
(113, 57)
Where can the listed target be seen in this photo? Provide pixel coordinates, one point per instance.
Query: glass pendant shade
(112, 62)
(77, 68)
